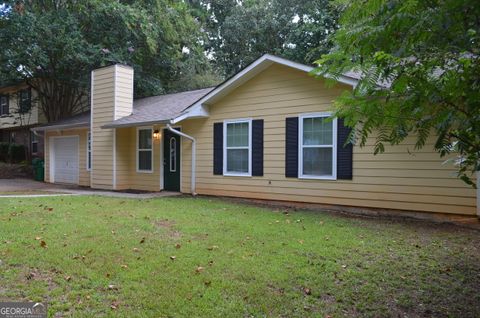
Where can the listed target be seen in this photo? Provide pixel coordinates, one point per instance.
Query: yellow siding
(402, 178)
(127, 175)
(15, 119)
(84, 174)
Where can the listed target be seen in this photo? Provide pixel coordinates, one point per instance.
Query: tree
(241, 31)
(54, 44)
(426, 57)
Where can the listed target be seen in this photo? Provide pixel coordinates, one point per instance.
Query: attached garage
(64, 167)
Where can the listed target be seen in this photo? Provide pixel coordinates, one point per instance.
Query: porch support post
(194, 155)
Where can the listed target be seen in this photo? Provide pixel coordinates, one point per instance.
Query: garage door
(65, 160)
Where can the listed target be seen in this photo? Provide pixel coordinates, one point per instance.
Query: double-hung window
(89, 151)
(144, 150)
(317, 146)
(237, 145)
(4, 109)
(34, 140)
(25, 100)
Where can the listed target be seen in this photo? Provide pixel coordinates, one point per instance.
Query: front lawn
(201, 257)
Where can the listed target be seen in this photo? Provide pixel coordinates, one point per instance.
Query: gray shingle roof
(159, 109)
(80, 120)
(149, 110)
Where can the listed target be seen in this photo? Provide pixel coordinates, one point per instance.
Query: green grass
(254, 262)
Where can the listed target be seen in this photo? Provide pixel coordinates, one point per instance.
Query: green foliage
(4, 151)
(12, 153)
(54, 45)
(241, 31)
(425, 56)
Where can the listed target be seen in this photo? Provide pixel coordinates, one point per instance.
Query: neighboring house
(19, 113)
(266, 133)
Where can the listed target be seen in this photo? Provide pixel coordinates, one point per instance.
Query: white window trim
(137, 150)
(301, 146)
(89, 136)
(237, 174)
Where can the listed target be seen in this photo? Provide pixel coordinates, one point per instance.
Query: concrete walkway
(27, 188)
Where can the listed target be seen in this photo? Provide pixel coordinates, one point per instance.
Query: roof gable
(199, 108)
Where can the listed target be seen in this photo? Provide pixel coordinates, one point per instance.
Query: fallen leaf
(301, 241)
(43, 244)
(307, 291)
(114, 305)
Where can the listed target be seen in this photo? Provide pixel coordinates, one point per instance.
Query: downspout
(193, 154)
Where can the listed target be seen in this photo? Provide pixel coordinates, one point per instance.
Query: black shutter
(291, 147)
(257, 147)
(344, 152)
(218, 148)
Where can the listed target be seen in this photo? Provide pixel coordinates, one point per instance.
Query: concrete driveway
(31, 188)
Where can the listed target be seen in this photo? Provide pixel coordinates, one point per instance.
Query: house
(19, 113)
(265, 133)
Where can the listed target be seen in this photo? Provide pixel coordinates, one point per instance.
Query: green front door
(171, 160)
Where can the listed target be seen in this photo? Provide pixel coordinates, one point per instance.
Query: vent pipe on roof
(193, 155)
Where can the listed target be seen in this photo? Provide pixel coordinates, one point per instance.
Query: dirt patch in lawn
(47, 277)
(168, 225)
(165, 223)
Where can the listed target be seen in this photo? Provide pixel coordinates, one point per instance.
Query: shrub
(16, 153)
(4, 151)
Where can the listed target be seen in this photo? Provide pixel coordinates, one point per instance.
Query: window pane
(237, 160)
(317, 161)
(237, 135)
(4, 105)
(145, 139)
(173, 155)
(145, 160)
(317, 131)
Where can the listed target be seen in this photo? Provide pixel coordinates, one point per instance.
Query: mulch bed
(10, 171)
